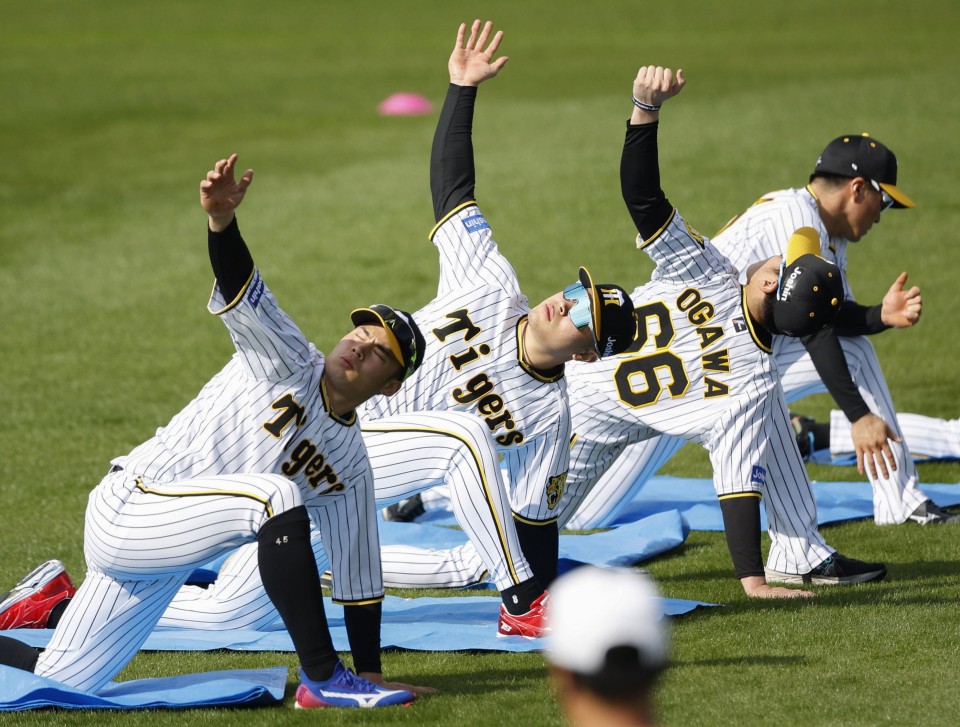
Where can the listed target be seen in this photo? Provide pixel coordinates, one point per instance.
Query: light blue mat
(697, 501)
(20, 690)
(644, 538)
(467, 623)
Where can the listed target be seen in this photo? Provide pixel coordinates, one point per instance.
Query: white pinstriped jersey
(473, 363)
(762, 231)
(265, 412)
(698, 371)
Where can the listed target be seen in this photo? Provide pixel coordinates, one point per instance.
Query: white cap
(592, 610)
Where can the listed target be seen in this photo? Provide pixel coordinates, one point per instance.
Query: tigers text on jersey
(253, 415)
(474, 362)
(266, 412)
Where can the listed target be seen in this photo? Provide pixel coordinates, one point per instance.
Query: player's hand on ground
(655, 84)
(221, 193)
(901, 308)
(757, 587)
(470, 63)
(377, 678)
(871, 439)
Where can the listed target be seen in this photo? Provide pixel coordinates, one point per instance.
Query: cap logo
(790, 283)
(608, 348)
(612, 296)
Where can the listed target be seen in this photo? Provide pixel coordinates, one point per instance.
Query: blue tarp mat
(20, 690)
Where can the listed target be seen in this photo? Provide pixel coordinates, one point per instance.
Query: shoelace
(350, 679)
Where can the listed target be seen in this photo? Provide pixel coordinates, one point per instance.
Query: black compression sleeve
(363, 632)
(640, 179)
(858, 320)
(452, 174)
(741, 524)
(827, 356)
(231, 260)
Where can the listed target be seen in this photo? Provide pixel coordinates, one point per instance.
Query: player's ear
(391, 387)
(767, 276)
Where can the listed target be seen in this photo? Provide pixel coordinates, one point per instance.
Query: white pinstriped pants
(894, 497)
(408, 453)
(141, 542)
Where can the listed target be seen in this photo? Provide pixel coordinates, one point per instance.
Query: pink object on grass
(405, 104)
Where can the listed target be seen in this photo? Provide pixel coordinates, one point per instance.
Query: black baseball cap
(859, 155)
(810, 288)
(403, 335)
(614, 318)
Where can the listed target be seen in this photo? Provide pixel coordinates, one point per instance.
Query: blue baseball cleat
(346, 689)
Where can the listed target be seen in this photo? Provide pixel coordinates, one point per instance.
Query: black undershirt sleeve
(741, 525)
(640, 179)
(363, 632)
(827, 356)
(452, 173)
(854, 319)
(231, 260)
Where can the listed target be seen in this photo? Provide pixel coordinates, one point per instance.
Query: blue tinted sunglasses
(580, 314)
(886, 201)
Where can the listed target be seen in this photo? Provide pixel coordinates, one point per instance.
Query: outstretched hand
(221, 193)
(901, 308)
(655, 84)
(757, 587)
(470, 64)
(871, 440)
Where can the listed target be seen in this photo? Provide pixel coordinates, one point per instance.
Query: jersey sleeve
(469, 257)
(682, 255)
(268, 342)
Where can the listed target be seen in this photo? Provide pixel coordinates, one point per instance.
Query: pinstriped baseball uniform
(700, 372)
(759, 233)
(475, 363)
(187, 495)
(409, 453)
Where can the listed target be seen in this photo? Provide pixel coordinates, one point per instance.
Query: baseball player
(272, 434)
(488, 352)
(853, 182)
(701, 370)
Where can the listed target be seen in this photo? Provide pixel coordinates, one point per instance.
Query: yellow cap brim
(803, 241)
(899, 197)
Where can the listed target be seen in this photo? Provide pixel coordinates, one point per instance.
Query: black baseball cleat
(837, 570)
(404, 511)
(929, 513)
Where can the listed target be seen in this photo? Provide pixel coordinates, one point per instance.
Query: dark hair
(832, 180)
(623, 677)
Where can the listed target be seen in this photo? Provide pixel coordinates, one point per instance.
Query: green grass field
(112, 112)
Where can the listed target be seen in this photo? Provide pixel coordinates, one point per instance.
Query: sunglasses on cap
(886, 201)
(580, 314)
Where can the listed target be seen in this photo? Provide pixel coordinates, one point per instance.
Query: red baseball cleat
(531, 625)
(29, 604)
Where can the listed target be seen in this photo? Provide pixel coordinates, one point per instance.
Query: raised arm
(639, 164)
(452, 173)
(220, 195)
